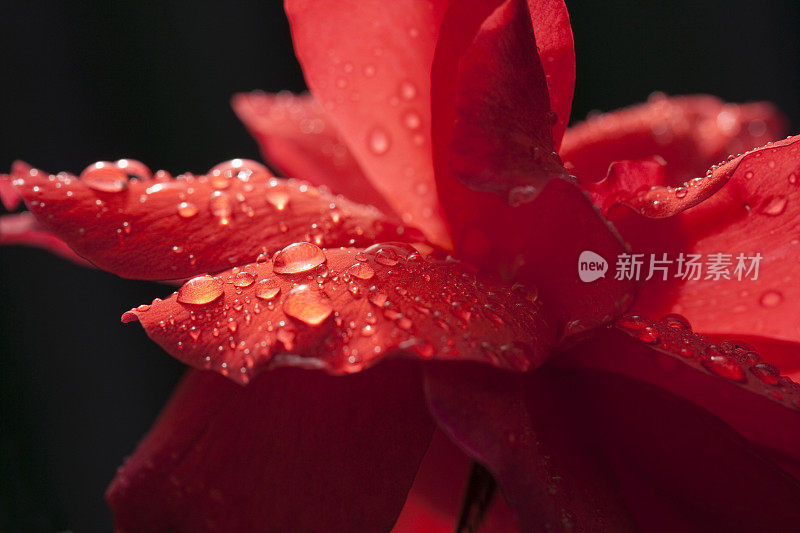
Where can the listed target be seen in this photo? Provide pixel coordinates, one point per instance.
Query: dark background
(87, 82)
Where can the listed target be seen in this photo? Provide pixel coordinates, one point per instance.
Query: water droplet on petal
(267, 289)
(771, 299)
(298, 257)
(105, 177)
(361, 271)
(220, 205)
(200, 290)
(725, 366)
(306, 305)
(408, 91)
(243, 279)
(412, 120)
(774, 205)
(378, 141)
(186, 210)
(676, 321)
(278, 198)
(766, 373)
(681, 192)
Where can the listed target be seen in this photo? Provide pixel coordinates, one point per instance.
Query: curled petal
(516, 426)
(23, 228)
(165, 228)
(343, 310)
(295, 135)
(754, 214)
(368, 62)
(502, 134)
(690, 133)
(728, 379)
(297, 450)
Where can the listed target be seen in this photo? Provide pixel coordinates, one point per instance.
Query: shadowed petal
(344, 309)
(297, 450)
(515, 425)
(24, 229)
(161, 228)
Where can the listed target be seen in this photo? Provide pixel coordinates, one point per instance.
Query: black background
(93, 81)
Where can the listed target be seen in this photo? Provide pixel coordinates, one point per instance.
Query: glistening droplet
(267, 289)
(307, 305)
(200, 290)
(298, 257)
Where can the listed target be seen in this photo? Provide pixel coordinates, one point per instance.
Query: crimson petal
(690, 132)
(681, 468)
(756, 211)
(368, 62)
(164, 228)
(295, 135)
(728, 379)
(9, 197)
(515, 426)
(344, 309)
(23, 228)
(297, 450)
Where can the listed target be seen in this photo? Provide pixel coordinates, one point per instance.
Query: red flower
(365, 363)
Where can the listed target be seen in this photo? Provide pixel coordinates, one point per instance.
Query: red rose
(356, 360)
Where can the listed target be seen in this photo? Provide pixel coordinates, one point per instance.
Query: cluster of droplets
(733, 360)
(426, 311)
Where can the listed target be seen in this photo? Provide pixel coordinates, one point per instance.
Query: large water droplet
(307, 305)
(105, 177)
(725, 366)
(298, 257)
(378, 141)
(200, 290)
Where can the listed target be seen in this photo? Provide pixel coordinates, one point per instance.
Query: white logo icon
(591, 266)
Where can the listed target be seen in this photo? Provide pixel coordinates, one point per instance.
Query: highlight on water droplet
(298, 257)
(220, 205)
(243, 279)
(774, 205)
(307, 305)
(278, 198)
(724, 366)
(201, 290)
(361, 271)
(771, 299)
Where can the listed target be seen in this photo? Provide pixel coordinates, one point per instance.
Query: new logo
(591, 266)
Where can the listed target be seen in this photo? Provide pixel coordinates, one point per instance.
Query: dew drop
(412, 120)
(771, 299)
(278, 198)
(267, 289)
(774, 205)
(378, 141)
(361, 271)
(307, 305)
(186, 210)
(408, 91)
(676, 321)
(766, 373)
(298, 257)
(220, 205)
(243, 279)
(681, 192)
(200, 290)
(724, 366)
(105, 177)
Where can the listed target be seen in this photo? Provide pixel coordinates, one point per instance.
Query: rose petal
(502, 136)
(681, 468)
(756, 212)
(295, 135)
(297, 450)
(514, 425)
(171, 229)
(690, 132)
(9, 197)
(368, 63)
(23, 228)
(347, 313)
(726, 379)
